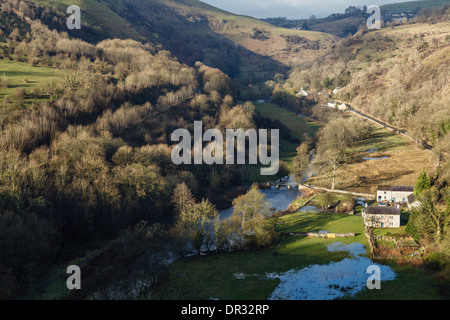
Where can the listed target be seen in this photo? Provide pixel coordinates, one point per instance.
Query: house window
(379, 197)
(384, 197)
(404, 199)
(393, 199)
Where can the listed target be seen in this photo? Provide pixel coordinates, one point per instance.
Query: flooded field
(331, 281)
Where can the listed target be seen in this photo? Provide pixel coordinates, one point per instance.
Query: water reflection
(280, 199)
(331, 281)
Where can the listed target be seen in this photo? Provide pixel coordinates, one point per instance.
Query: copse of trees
(334, 139)
(213, 79)
(251, 211)
(422, 183)
(199, 227)
(301, 162)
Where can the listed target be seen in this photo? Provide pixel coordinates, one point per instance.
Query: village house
(399, 195)
(336, 90)
(334, 105)
(381, 217)
(302, 93)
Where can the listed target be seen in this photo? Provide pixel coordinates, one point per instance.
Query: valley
(90, 171)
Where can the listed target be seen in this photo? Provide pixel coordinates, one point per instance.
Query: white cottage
(381, 217)
(334, 104)
(302, 93)
(336, 90)
(396, 194)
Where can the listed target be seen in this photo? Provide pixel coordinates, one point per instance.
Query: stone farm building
(381, 217)
(400, 195)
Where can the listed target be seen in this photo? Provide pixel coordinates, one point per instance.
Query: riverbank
(243, 275)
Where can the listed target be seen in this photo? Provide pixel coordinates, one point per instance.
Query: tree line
(91, 156)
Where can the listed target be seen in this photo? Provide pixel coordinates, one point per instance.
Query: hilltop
(412, 7)
(342, 24)
(241, 46)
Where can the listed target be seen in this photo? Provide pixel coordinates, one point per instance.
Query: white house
(342, 107)
(336, 90)
(334, 104)
(394, 193)
(302, 93)
(381, 217)
(398, 195)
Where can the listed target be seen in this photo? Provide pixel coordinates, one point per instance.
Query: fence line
(366, 195)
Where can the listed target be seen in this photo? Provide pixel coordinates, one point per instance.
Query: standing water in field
(280, 199)
(331, 281)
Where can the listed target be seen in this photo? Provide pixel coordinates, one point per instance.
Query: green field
(288, 150)
(405, 286)
(384, 141)
(22, 75)
(205, 277)
(297, 125)
(217, 276)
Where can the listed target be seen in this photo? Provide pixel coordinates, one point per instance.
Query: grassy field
(241, 275)
(402, 165)
(288, 150)
(410, 284)
(384, 141)
(297, 125)
(205, 277)
(22, 75)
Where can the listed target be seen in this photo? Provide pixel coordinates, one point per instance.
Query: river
(280, 199)
(341, 278)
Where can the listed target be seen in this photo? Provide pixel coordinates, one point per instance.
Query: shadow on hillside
(190, 38)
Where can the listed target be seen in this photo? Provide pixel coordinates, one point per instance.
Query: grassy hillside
(412, 7)
(342, 24)
(297, 125)
(339, 27)
(395, 162)
(195, 31)
(21, 81)
(398, 74)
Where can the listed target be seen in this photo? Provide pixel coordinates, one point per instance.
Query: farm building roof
(383, 210)
(396, 188)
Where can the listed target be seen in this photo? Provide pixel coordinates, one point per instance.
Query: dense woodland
(92, 155)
